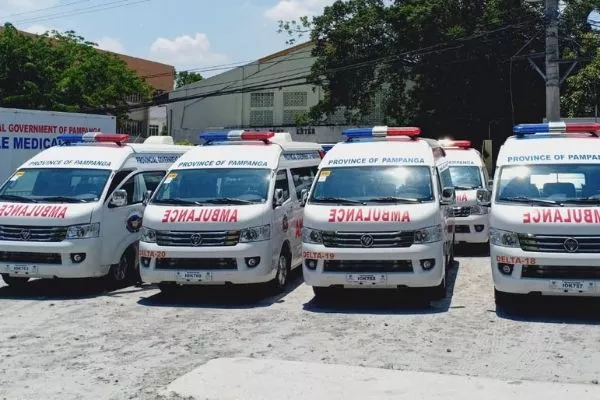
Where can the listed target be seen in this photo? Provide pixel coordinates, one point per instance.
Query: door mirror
(303, 197)
(119, 198)
(448, 196)
(483, 197)
(278, 200)
(147, 196)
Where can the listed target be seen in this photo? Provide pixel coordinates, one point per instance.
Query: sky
(189, 34)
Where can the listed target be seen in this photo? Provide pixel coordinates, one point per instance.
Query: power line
(46, 8)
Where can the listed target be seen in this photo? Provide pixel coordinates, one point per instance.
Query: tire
(168, 289)
(283, 272)
(120, 274)
(504, 300)
(439, 292)
(14, 281)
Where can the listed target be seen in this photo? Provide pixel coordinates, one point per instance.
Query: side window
(282, 182)
(446, 178)
(152, 179)
(119, 176)
(303, 179)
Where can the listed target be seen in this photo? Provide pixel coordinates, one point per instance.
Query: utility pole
(552, 62)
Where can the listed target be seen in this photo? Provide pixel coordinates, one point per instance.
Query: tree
(64, 72)
(187, 77)
(447, 66)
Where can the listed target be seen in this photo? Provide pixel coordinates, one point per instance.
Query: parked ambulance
(545, 215)
(75, 210)
(229, 212)
(377, 215)
(463, 168)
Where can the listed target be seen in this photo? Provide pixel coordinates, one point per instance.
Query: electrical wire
(46, 8)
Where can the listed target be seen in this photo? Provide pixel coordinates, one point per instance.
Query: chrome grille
(380, 239)
(33, 233)
(197, 239)
(460, 212)
(556, 243)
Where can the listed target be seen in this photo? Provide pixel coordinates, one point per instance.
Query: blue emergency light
(381, 131)
(94, 137)
(235, 136)
(555, 127)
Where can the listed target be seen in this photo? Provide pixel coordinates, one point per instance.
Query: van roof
(456, 156)
(550, 149)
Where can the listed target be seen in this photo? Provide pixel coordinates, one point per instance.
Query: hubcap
(121, 269)
(282, 270)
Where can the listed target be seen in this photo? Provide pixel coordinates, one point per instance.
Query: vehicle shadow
(371, 301)
(554, 310)
(67, 289)
(472, 250)
(238, 296)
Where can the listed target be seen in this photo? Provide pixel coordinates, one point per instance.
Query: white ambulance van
(545, 214)
(229, 212)
(377, 215)
(75, 210)
(463, 168)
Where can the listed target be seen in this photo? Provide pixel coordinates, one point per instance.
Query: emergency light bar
(234, 136)
(556, 127)
(94, 137)
(381, 131)
(461, 144)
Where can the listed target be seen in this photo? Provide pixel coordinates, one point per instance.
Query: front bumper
(162, 264)
(472, 229)
(52, 259)
(551, 286)
(417, 278)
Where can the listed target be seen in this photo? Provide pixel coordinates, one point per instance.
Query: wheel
(120, 273)
(14, 281)
(439, 292)
(283, 272)
(504, 299)
(168, 289)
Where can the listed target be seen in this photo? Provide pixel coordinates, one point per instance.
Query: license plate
(194, 276)
(366, 279)
(22, 269)
(571, 286)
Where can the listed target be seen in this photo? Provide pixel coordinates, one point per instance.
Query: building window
(152, 130)
(295, 99)
(134, 98)
(261, 100)
(291, 117)
(132, 128)
(262, 118)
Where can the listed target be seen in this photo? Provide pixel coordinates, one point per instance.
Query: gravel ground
(78, 342)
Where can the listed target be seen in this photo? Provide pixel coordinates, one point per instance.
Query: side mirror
(448, 196)
(278, 197)
(147, 195)
(303, 197)
(119, 198)
(484, 197)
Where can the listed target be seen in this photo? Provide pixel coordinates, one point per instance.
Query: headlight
(479, 210)
(428, 235)
(256, 234)
(148, 235)
(504, 238)
(312, 236)
(86, 231)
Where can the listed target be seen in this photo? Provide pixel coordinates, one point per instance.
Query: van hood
(201, 218)
(546, 220)
(45, 214)
(466, 198)
(371, 218)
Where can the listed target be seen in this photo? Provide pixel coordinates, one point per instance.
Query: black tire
(504, 300)
(283, 272)
(14, 281)
(438, 292)
(168, 289)
(120, 275)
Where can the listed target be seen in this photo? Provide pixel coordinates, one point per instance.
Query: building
(269, 93)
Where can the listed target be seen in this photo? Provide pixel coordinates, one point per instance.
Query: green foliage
(63, 72)
(186, 77)
(184, 142)
(445, 65)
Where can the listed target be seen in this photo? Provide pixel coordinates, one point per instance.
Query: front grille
(196, 263)
(33, 233)
(460, 212)
(462, 229)
(368, 266)
(556, 244)
(30, 258)
(380, 239)
(560, 272)
(197, 239)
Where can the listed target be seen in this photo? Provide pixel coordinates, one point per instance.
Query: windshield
(463, 177)
(214, 186)
(55, 185)
(373, 184)
(550, 184)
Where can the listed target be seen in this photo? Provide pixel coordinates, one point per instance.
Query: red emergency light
(460, 144)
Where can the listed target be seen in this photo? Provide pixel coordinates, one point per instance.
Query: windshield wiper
(466, 187)
(393, 199)
(583, 200)
(178, 202)
(337, 200)
(61, 199)
(13, 197)
(228, 200)
(524, 199)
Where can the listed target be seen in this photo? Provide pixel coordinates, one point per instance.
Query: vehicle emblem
(25, 234)
(366, 240)
(571, 245)
(196, 239)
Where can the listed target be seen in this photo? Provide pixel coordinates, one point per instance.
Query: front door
(282, 215)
